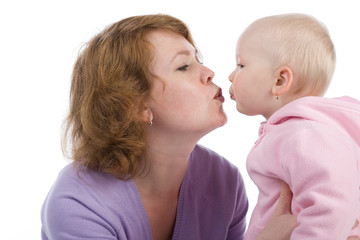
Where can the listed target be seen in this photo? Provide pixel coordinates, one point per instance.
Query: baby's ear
(284, 80)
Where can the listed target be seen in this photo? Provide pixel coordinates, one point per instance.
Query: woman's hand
(282, 222)
(354, 237)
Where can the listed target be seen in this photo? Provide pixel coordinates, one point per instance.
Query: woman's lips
(219, 96)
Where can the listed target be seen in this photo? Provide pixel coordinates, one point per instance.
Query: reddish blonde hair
(110, 81)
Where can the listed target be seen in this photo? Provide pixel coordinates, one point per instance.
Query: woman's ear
(284, 80)
(147, 116)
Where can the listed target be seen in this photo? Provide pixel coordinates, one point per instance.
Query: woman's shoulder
(206, 158)
(89, 187)
(212, 182)
(92, 200)
(79, 180)
(211, 170)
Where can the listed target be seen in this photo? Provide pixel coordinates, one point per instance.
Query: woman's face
(183, 98)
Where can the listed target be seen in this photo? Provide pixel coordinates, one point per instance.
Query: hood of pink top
(342, 113)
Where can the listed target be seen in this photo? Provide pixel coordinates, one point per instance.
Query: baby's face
(253, 77)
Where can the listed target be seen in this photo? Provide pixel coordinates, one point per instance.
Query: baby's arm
(282, 222)
(321, 169)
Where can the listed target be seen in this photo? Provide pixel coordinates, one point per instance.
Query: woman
(140, 101)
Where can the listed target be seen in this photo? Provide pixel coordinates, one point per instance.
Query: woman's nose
(208, 75)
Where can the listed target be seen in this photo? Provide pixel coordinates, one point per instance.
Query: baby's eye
(239, 65)
(183, 68)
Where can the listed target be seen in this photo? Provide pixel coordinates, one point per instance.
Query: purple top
(85, 204)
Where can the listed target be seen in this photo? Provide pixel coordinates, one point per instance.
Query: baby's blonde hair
(302, 43)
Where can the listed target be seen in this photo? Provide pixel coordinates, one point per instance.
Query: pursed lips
(231, 94)
(218, 96)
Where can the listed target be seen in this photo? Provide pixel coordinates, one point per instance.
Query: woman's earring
(276, 97)
(150, 123)
(149, 115)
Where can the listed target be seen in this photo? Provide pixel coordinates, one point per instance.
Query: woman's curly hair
(110, 81)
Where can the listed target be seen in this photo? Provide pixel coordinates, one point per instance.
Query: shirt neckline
(180, 207)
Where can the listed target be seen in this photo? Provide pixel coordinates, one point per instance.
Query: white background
(39, 41)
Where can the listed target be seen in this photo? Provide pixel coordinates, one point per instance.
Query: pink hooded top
(313, 144)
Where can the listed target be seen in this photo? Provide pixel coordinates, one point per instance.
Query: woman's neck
(167, 159)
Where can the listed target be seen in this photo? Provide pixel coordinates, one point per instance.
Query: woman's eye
(183, 68)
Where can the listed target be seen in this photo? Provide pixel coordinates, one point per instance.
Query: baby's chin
(240, 109)
(244, 111)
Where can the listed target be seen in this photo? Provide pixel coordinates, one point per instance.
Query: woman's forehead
(169, 41)
(167, 46)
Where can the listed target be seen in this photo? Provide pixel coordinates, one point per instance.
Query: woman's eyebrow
(181, 52)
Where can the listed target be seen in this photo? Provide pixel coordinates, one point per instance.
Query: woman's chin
(221, 121)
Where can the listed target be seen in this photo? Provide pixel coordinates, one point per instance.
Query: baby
(284, 66)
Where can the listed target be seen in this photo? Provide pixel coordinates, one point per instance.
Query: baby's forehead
(259, 27)
(254, 34)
